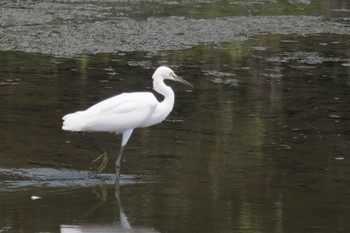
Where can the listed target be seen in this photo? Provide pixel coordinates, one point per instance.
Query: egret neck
(165, 106)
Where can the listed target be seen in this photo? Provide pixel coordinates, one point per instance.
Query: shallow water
(260, 144)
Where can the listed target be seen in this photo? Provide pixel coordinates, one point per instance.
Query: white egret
(123, 113)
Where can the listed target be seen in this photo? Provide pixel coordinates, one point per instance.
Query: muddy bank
(61, 29)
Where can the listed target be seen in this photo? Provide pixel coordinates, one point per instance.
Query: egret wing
(117, 121)
(116, 114)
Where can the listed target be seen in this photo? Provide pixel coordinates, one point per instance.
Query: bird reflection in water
(123, 226)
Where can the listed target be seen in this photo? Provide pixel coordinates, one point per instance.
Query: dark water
(260, 144)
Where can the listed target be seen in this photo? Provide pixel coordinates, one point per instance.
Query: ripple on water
(15, 179)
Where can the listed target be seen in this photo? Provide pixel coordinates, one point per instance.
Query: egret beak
(181, 80)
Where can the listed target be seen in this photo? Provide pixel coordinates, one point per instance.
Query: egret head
(164, 72)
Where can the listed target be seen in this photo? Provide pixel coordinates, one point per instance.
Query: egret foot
(102, 166)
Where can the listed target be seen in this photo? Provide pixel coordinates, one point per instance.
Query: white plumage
(116, 114)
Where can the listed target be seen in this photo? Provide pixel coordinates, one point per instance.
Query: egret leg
(117, 162)
(126, 136)
(103, 156)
